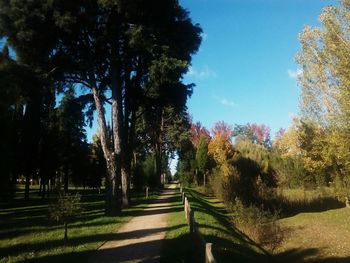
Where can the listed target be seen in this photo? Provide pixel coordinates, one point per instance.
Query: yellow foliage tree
(325, 93)
(222, 151)
(287, 143)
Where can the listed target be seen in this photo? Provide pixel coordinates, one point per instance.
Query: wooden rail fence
(193, 225)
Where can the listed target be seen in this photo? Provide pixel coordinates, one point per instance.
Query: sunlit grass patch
(319, 236)
(27, 234)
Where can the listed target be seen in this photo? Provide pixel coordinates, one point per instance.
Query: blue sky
(245, 70)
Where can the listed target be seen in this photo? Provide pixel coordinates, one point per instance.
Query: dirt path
(141, 238)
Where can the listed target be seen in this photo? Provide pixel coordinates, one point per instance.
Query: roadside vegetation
(214, 225)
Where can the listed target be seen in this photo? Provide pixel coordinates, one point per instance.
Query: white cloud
(293, 74)
(203, 73)
(225, 102)
(228, 103)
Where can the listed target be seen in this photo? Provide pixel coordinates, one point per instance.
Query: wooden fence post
(183, 198)
(188, 213)
(147, 192)
(209, 258)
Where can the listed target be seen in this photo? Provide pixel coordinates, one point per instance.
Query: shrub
(258, 224)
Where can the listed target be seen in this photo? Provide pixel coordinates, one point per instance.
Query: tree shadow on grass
(73, 242)
(229, 244)
(305, 255)
(225, 250)
(20, 217)
(145, 252)
(321, 204)
(33, 213)
(218, 213)
(183, 248)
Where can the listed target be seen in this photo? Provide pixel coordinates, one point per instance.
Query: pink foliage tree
(197, 130)
(223, 129)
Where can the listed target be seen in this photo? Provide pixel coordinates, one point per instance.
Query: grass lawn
(26, 233)
(213, 219)
(316, 237)
(179, 245)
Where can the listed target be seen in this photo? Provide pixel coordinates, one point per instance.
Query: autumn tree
(202, 157)
(324, 82)
(198, 131)
(223, 130)
(221, 148)
(287, 157)
(256, 133)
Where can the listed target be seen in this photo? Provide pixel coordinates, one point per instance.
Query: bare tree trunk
(158, 160)
(112, 182)
(65, 231)
(65, 181)
(27, 183)
(158, 149)
(119, 135)
(43, 192)
(40, 185)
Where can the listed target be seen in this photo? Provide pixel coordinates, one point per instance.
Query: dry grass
(317, 229)
(317, 236)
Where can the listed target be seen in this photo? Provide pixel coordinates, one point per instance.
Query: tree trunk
(158, 166)
(40, 186)
(65, 231)
(112, 182)
(119, 135)
(65, 181)
(125, 187)
(158, 148)
(43, 191)
(27, 183)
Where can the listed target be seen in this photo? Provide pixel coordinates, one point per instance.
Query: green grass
(26, 233)
(318, 229)
(318, 236)
(215, 226)
(179, 245)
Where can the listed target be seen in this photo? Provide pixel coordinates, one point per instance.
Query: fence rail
(193, 225)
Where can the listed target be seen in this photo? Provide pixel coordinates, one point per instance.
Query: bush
(258, 224)
(245, 181)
